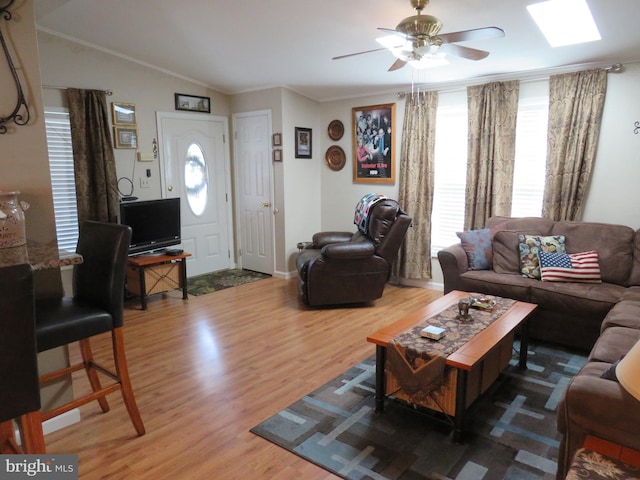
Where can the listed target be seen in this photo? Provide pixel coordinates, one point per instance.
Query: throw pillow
(530, 245)
(574, 267)
(610, 373)
(478, 246)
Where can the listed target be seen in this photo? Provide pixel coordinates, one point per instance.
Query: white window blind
(531, 157)
(447, 216)
(62, 177)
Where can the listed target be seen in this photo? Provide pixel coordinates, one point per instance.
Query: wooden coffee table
(470, 370)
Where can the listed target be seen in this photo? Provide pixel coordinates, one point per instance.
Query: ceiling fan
(416, 39)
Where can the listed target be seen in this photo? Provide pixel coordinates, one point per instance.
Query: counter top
(39, 256)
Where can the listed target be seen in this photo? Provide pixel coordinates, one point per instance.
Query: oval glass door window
(196, 182)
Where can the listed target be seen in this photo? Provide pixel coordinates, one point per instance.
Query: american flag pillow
(570, 267)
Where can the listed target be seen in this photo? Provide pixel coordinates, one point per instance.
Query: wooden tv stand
(151, 274)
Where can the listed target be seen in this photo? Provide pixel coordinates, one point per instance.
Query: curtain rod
(54, 87)
(615, 68)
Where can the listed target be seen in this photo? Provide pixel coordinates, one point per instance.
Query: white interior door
(195, 167)
(252, 147)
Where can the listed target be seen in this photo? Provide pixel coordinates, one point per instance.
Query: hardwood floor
(206, 370)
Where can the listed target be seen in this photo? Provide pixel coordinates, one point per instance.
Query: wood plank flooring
(206, 370)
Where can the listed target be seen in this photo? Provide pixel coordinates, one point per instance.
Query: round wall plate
(336, 158)
(335, 130)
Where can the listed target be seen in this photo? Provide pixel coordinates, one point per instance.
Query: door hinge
(235, 135)
(239, 252)
(224, 138)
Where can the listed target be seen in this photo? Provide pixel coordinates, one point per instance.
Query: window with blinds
(451, 163)
(62, 177)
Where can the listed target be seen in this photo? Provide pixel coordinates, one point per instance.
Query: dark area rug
(511, 431)
(216, 281)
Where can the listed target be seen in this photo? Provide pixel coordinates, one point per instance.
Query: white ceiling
(237, 46)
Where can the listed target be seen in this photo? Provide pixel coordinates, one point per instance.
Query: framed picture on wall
(374, 144)
(192, 103)
(303, 142)
(125, 137)
(123, 113)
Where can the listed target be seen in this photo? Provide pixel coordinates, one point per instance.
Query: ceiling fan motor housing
(420, 26)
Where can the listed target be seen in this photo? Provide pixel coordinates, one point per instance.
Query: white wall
(614, 195)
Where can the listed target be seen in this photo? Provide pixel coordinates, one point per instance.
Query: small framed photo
(277, 139)
(277, 155)
(192, 103)
(125, 137)
(123, 113)
(303, 142)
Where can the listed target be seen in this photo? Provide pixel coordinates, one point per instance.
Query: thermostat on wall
(145, 156)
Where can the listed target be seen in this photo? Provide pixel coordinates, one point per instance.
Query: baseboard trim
(56, 423)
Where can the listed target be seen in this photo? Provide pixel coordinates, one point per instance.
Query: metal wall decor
(20, 113)
(636, 128)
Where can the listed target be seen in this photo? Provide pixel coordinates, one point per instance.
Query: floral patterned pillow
(477, 246)
(530, 245)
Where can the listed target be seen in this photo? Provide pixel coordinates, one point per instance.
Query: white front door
(196, 168)
(252, 147)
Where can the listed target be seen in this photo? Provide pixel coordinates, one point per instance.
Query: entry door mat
(216, 281)
(511, 429)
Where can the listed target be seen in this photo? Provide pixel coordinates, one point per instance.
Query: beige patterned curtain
(94, 162)
(576, 101)
(493, 109)
(416, 183)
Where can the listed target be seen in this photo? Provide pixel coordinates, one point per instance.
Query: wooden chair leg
(125, 381)
(87, 358)
(8, 444)
(31, 433)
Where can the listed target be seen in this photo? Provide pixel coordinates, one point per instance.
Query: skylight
(565, 22)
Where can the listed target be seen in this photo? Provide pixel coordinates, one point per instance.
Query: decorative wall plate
(336, 130)
(335, 158)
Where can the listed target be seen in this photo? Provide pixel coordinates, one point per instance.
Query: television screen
(155, 224)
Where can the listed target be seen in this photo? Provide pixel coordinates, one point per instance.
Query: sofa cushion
(614, 244)
(506, 255)
(576, 299)
(570, 267)
(613, 343)
(625, 313)
(491, 283)
(530, 245)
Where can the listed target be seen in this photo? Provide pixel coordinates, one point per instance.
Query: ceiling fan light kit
(416, 41)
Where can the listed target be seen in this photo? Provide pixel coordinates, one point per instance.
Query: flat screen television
(155, 224)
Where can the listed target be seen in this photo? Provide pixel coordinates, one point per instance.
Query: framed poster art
(374, 144)
(303, 142)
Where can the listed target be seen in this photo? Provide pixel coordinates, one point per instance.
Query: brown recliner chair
(344, 267)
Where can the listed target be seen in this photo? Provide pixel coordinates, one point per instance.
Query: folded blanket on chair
(361, 217)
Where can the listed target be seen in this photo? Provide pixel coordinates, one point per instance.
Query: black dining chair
(96, 307)
(20, 397)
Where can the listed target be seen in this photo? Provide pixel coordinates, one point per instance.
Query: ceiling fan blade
(397, 65)
(393, 32)
(358, 53)
(471, 35)
(464, 52)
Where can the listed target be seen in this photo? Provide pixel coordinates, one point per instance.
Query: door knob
(170, 188)
(266, 204)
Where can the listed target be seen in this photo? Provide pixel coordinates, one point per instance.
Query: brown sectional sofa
(603, 318)
(569, 314)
